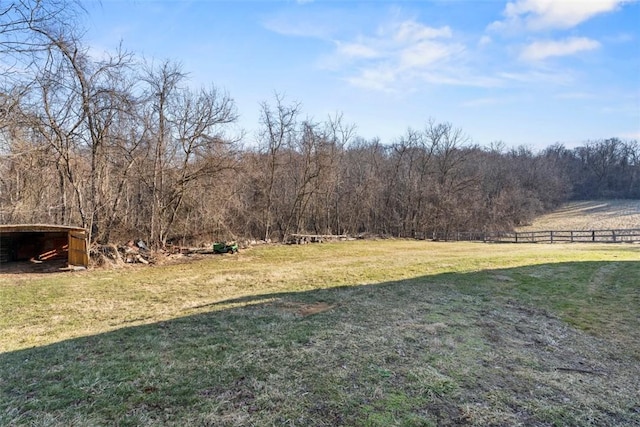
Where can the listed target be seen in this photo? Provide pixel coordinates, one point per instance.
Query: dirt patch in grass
(34, 267)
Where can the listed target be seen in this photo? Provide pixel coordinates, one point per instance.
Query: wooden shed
(42, 243)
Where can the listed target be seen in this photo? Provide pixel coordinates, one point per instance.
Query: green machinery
(224, 247)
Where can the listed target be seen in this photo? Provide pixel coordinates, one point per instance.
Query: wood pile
(135, 252)
(303, 239)
(129, 253)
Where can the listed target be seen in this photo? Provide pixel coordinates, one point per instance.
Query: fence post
(619, 235)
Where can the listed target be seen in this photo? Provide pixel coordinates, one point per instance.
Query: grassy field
(590, 215)
(366, 333)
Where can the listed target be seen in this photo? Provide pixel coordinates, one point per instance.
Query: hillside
(590, 215)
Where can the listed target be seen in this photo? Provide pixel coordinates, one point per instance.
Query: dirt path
(601, 277)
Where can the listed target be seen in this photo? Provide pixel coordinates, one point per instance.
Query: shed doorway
(43, 247)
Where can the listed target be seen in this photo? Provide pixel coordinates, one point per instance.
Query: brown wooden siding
(78, 249)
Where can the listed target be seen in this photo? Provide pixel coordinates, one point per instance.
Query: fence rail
(628, 235)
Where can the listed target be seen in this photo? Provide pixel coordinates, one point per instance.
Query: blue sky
(525, 72)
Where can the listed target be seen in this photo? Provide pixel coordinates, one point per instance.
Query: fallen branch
(582, 371)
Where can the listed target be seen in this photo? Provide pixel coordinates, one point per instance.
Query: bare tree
(327, 210)
(204, 147)
(80, 99)
(163, 83)
(279, 130)
(26, 30)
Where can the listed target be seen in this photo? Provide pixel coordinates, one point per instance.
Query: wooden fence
(550, 236)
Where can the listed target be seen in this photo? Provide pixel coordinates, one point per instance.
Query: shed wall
(43, 243)
(78, 249)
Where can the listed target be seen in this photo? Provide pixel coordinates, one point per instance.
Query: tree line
(128, 149)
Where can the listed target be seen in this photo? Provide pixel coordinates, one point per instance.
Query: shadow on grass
(59, 266)
(484, 348)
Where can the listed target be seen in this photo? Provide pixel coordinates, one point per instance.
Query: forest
(127, 148)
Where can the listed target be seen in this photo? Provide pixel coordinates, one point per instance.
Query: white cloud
(541, 50)
(461, 77)
(303, 26)
(374, 79)
(485, 41)
(620, 38)
(538, 77)
(399, 52)
(424, 54)
(356, 50)
(576, 96)
(553, 14)
(412, 32)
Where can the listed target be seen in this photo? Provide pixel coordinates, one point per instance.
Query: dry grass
(357, 334)
(592, 215)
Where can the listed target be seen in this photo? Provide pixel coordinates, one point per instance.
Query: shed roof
(13, 228)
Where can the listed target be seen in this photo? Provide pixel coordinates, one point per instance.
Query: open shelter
(42, 242)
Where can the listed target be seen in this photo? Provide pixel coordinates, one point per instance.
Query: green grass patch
(357, 333)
